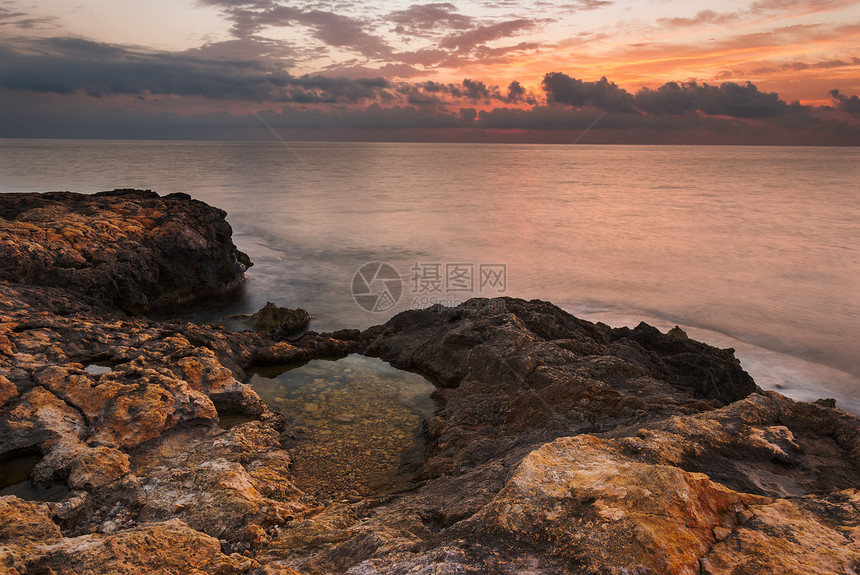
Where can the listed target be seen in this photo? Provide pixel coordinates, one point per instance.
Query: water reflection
(15, 480)
(359, 422)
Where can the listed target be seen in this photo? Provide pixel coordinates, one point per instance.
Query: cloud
(756, 10)
(68, 65)
(419, 19)
(702, 17)
(24, 21)
(518, 94)
(252, 49)
(468, 91)
(330, 28)
(728, 99)
(795, 67)
(49, 115)
(798, 6)
(850, 104)
(355, 70)
(587, 4)
(603, 94)
(470, 39)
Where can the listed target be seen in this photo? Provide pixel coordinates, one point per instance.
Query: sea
(753, 248)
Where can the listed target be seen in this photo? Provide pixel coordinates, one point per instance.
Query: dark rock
(710, 372)
(279, 322)
(129, 249)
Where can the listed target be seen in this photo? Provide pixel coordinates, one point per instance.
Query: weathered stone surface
(25, 521)
(279, 322)
(38, 420)
(606, 512)
(168, 547)
(814, 535)
(557, 445)
(8, 390)
(97, 468)
(128, 248)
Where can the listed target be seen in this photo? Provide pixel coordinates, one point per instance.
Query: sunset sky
(738, 71)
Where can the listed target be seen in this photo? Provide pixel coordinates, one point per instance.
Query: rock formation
(279, 322)
(557, 445)
(127, 248)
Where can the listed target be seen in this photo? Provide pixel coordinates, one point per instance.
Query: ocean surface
(755, 248)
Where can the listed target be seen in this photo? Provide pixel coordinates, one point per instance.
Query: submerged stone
(359, 430)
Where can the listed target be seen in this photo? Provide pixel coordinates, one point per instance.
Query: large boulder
(129, 249)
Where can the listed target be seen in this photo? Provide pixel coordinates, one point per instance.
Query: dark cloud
(518, 94)
(471, 91)
(670, 98)
(39, 115)
(603, 94)
(850, 104)
(475, 90)
(65, 66)
(727, 99)
(58, 73)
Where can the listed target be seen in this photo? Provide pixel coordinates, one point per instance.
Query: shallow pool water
(358, 422)
(15, 480)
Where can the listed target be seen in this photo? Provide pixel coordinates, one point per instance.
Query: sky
(650, 71)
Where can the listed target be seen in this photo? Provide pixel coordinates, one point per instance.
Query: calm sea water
(756, 248)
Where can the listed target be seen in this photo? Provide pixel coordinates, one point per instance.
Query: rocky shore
(557, 445)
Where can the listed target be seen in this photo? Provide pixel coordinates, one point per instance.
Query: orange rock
(615, 512)
(98, 467)
(7, 390)
(169, 547)
(793, 536)
(26, 521)
(40, 420)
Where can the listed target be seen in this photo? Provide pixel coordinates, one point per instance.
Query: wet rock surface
(279, 322)
(556, 446)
